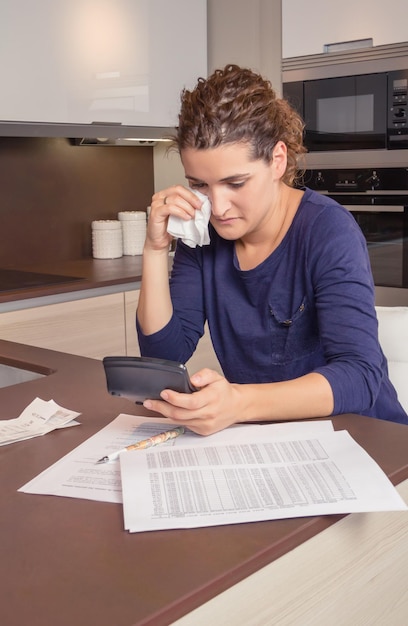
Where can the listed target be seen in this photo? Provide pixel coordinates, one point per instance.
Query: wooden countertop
(68, 561)
(95, 273)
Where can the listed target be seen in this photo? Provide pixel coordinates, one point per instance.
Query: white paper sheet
(211, 485)
(77, 475)
(38, 418)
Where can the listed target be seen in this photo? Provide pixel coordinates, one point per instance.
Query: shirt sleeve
(179, 338)
(345, 297)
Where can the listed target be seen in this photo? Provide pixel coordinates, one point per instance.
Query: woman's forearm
(305, 397)
(154, 308)
(219, 404)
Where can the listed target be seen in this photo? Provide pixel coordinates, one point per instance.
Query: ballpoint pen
(145, 443)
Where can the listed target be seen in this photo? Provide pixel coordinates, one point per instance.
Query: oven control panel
(381, 180)
(397, 109)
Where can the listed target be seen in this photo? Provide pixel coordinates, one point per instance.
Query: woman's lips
(226, 221)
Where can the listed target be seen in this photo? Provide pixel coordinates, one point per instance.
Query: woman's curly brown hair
(237, 105)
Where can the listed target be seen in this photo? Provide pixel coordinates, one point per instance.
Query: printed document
(244, 473)
(188, 487)
(77, 474)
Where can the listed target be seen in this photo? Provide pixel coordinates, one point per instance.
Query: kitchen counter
(68, 561)
(94, 274)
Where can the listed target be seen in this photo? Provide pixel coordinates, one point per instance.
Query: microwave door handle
(368, 208)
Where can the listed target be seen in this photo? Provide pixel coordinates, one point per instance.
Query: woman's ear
(279, 159)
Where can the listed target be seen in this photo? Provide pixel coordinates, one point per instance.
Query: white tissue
(193, 232)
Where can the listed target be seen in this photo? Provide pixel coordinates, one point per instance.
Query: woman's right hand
(178, 201)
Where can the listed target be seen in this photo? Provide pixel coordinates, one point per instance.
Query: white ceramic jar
(107, 239)
(133, 231)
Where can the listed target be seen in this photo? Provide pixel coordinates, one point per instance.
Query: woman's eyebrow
(193, 179)
(227, 179)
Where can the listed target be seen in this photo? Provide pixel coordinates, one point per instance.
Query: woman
(285, 283)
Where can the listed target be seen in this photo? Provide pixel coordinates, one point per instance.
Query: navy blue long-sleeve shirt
(309, 307)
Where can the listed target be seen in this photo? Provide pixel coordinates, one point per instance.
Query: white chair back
(393, 335)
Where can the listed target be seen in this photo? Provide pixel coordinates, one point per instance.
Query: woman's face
(243, 192)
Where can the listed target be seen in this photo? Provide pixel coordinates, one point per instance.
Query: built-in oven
(378, 200)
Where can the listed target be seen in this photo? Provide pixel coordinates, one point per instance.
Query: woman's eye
(237, 185)
(197, 185)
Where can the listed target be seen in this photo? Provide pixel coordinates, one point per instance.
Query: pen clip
(104, 459)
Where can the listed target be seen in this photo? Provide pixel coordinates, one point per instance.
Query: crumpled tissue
(193, 232)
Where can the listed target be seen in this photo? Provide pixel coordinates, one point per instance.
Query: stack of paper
(252, 480)
(245, 473)
(38, 418)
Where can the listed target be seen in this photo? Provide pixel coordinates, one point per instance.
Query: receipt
(38, 418)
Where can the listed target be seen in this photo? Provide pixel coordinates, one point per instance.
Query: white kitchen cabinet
(84, 61)
(92, 327)
(307, 28)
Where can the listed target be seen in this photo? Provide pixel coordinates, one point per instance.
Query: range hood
(112, 134)
(97, 133)
(118, 141)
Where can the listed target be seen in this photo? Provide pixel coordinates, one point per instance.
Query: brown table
(69, 562)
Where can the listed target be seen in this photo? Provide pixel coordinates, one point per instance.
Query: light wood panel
(354, 572)
(204, 356)
(131, 301)
(93, 327)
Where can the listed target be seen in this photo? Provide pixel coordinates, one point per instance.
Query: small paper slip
(38, 418)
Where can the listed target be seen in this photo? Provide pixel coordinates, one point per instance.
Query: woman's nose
(219, 203)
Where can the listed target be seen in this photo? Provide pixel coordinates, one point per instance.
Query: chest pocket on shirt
(294, 336)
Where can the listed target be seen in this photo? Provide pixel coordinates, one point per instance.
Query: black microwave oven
(362, 112)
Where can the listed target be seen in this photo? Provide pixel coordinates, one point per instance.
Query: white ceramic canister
(107, 239)
(133, 231)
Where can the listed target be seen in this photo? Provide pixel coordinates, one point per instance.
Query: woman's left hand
(214, 407)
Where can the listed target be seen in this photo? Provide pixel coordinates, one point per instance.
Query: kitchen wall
(51, 190)
(245, 32)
